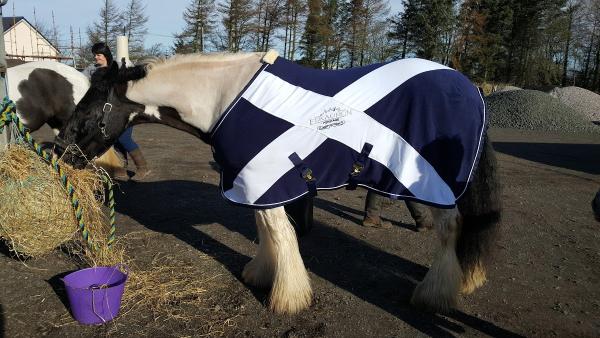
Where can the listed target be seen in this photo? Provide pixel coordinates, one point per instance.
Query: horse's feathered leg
(439, 289)
(279, 261)
(480, 208)
(467, 238)
(261, 269)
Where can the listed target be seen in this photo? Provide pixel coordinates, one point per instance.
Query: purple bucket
(95, 293)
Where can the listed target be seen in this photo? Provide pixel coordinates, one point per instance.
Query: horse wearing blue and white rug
(410, 129)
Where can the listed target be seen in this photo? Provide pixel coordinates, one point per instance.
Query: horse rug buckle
(307, 174)
(107, 107)
(356, 169)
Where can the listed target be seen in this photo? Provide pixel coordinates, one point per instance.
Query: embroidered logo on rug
(332, 117)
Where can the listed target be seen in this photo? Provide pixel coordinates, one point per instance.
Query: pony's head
(99, 118)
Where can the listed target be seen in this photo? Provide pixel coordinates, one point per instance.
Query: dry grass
(163, 285)
(36, 215)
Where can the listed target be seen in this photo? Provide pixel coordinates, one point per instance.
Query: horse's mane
(153, 64)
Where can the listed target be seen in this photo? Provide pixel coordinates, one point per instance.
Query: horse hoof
(376, 223)
(423, 227)
(256, 276)
(422, 299)
(290, 304)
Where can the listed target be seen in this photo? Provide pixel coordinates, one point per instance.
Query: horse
(46, 92)
(218, 95)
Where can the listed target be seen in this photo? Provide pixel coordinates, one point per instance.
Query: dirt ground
(545, 280)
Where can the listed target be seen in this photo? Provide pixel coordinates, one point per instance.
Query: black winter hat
(102, 48)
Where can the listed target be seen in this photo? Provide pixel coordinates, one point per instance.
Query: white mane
(198, 86)
(189, 59)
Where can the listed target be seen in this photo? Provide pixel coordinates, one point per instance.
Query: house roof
(9, 21)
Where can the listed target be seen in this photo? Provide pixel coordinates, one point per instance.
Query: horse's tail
(480, 208)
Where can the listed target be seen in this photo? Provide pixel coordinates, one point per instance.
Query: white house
(24, 42)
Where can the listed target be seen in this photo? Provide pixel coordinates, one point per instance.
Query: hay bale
(36, 215)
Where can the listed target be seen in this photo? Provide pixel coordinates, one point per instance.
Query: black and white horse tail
(480, 209)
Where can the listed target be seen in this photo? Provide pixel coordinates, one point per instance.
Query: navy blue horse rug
(409, 129)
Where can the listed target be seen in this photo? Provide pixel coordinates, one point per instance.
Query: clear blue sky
(164, 17)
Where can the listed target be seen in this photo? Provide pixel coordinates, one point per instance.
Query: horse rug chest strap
(305, 172)
(358, 166)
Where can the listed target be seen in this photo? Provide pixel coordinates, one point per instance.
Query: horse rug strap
(409, 129)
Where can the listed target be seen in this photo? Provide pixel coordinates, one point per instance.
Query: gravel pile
(508, 88)
(580, 99)
(534, 110)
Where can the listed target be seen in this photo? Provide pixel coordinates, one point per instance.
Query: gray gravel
(580, 99)
(535, 110)
(508, 88)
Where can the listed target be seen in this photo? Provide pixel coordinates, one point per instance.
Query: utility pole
(73, 48)
(5, 137)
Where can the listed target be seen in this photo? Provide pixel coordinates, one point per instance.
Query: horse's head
(99, 119)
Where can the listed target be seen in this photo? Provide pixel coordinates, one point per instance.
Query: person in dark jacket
(125, 144)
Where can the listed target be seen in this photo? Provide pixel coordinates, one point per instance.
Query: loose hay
(164, 288)
(36, 215)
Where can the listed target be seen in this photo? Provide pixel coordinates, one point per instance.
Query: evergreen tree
(199, 23)
(311, 43)
(434, 21)
(403, 28)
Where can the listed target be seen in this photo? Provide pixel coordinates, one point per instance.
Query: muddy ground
(545, 280)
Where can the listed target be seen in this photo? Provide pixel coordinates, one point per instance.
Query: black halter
(106, 109)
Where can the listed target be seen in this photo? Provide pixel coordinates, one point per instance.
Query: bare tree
(133, 22)
(294, 12)
(236, 19)
(269, 16)
(107, 27)
(364, 21)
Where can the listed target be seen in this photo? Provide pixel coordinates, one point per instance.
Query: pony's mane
(158, 63)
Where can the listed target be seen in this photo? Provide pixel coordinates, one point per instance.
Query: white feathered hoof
(290, 296)
(424, 299)
(438, 292)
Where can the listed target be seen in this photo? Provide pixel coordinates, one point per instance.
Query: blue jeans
(125, 142)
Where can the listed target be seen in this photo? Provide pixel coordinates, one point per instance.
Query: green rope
(7, 116)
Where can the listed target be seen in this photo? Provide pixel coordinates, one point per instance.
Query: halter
(106, 109)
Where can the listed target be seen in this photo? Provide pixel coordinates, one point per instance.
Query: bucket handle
(94, 288)
(119, 266)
